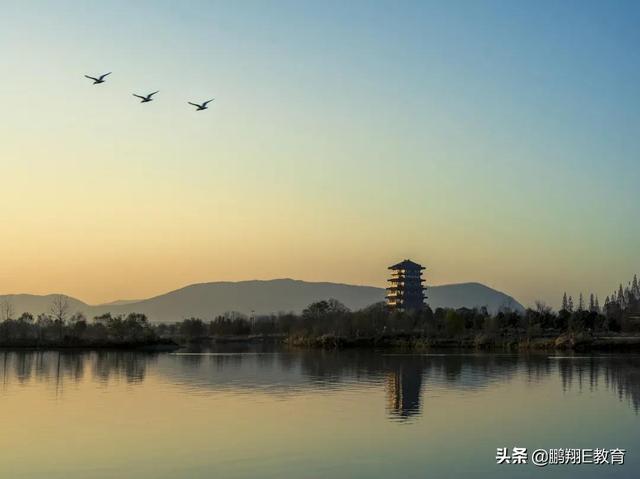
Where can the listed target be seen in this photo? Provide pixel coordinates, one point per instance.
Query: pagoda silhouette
(406, 291)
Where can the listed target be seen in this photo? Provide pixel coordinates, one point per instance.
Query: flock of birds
(147, 98)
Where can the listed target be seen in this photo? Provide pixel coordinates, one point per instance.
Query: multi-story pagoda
(406, 291)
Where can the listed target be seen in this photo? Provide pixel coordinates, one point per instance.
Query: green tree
(454, 323)
(570, 305)
(193, 328)
(580, 303)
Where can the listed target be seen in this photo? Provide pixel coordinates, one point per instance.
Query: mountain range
(208, 300)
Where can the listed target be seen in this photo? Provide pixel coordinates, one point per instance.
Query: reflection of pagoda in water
(406, 292)
(403, 389)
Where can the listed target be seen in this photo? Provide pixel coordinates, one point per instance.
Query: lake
(238, 412)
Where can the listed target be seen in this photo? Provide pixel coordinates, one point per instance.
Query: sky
(492, 141)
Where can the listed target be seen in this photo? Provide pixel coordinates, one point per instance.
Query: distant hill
(120, 302)
(207, 300)
(470, 295)
(37, 304)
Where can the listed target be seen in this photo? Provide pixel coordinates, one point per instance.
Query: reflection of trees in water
(620, 374)
(405, 378)
(572, 370)
(50, 367)
(58, 367)
(131, 366)
(23, 365)
(73, 366)
(624, 378)
(536, 367)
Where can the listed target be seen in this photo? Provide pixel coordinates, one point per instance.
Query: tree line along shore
(329, 324)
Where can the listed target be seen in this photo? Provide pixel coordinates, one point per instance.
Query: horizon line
(136, 300)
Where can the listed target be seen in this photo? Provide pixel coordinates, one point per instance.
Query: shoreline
(160, 345)
(564, 342)
(561, 342)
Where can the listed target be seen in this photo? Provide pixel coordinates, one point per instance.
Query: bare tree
(543, 308)
(60, 308)
(6, 310)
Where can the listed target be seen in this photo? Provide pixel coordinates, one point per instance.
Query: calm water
(252, 414)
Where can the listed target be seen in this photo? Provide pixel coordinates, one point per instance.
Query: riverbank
(572, 342)
(568, 342)
(154, 345)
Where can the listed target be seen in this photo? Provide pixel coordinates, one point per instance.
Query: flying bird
(201, 107)
(147, 98)
(100, 79)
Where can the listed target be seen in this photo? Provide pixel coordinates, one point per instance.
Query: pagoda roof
(407, 264)
(400, 279)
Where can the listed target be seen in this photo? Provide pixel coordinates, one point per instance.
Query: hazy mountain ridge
(36, 304)
(207, 300)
